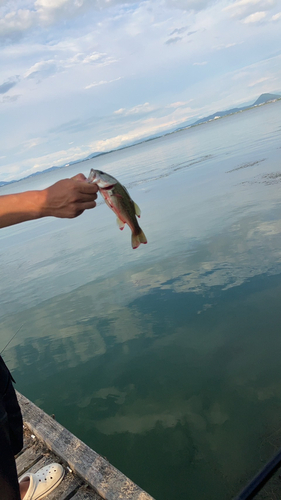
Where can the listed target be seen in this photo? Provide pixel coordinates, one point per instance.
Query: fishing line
(11, 339)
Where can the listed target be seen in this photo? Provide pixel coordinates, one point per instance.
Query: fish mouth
(92, 175)
(108, 188)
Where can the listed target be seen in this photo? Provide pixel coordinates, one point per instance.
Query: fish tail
(137, 239)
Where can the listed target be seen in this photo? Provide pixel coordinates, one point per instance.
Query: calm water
(166, 359)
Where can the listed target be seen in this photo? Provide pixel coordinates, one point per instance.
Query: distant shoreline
(215, 116)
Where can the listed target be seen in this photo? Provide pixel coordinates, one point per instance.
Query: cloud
(32, 143)
(187, 5)
(276, 17)
(245, 8)
(203, 63)
(254, 18)
(98, 58)
(227, 45)
(9, 84)
(175, 39)
(102, 82)
(139, 109)
(53, 4)
(42, 69)
(178, 104)
(179, 31)
(16, 22)
(56, 158)
(260, 80)
(10, 98)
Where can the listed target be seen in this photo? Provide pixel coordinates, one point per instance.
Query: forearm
(66, 198)
(21, 207)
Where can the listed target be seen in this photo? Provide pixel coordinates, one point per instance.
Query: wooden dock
(88, 476)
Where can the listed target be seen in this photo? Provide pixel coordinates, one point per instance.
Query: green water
(166, 359)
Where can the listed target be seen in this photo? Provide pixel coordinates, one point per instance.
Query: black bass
(118, 199)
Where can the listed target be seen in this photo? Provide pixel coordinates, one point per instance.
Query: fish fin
(142, 238)
(120, 223)
(137, 209)
(137, 239)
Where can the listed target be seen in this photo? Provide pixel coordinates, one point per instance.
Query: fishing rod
(258, 482)
(11, 339)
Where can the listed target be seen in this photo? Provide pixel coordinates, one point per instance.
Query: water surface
(165, 359)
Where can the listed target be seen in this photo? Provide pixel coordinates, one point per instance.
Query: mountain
(2, 183)
(42, 172)
(263, 98)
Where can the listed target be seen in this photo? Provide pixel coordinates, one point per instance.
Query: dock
(88, 475)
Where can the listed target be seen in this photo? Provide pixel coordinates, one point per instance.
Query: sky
(85, 76)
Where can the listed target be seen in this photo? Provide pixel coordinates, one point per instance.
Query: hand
(69, 198)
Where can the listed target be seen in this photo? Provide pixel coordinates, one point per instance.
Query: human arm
(67, 198)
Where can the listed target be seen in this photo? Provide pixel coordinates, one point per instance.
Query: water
(165, 359)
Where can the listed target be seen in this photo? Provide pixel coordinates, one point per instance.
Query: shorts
(11, 435)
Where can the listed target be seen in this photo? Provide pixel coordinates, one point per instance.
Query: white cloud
(260, 80)
(245, 8)
(51, 4)
(16, 22)
(227, 45)
(31, 143)
(98, 58)
(203, 63)
(254, 18)
(102, 82)
(56, 158)
(42, 68)
(140, 108)
(178, 104)
(276, 17)
(145, 128)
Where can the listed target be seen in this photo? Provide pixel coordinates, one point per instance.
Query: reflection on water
(166, 361)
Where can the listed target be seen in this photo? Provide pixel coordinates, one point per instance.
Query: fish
(118, 199)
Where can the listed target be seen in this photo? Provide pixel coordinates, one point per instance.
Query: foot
(24, 487)
(40, 484)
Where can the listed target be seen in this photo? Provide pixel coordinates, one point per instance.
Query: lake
(164, 359)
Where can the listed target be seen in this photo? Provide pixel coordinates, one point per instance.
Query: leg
(9, 485)
(10, 436)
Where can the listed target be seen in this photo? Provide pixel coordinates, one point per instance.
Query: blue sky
(81, 76)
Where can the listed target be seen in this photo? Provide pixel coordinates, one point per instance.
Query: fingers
(86, 196)
(87, 205)
(81, 207)
(88, 187)
(79, 177)
(69, 198)
(84, 186)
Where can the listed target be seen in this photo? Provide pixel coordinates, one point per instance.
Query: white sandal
(43, 481)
